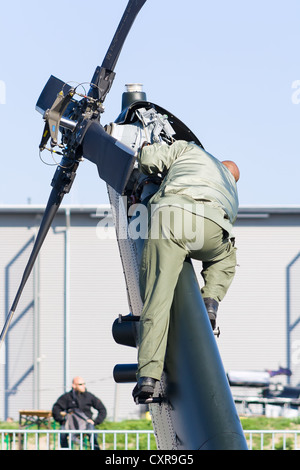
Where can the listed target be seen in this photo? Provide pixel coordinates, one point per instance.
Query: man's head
(78, 385)
(233, 168)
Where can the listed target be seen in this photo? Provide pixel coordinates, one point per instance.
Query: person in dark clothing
(73, 410)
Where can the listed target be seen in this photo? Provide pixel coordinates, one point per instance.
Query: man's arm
(157, 158)
(59, 409)
(98, 405)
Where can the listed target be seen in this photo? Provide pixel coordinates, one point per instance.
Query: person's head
(78, 385)
(233, 168)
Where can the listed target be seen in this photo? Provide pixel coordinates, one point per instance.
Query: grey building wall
(62, 326)
(259, 318)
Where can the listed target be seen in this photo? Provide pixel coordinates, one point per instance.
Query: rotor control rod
(68, 124)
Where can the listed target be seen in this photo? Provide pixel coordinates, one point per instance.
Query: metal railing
(46, 439)
(273, 440)
(26, 439)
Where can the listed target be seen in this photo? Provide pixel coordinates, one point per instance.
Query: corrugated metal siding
(51, 314)
(97, 296)
(15, 249)
(253, 317)
(293, 312)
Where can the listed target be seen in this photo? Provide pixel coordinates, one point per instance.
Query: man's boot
(144, 388)
(212, 308)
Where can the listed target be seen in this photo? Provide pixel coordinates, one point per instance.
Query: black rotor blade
(114, 50)
(113, 159)
(104, 75)
(62, 181)
(49, 93)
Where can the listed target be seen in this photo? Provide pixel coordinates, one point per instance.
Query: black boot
(144, 388)
(212, 308)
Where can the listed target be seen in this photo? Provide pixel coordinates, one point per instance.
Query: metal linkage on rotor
(70, 117)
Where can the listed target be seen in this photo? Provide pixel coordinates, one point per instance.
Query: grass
(264, 423)
(248, 423)
(272, 424)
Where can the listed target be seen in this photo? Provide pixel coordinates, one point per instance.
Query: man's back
(193, 173)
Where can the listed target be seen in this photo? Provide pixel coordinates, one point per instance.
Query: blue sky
(229, 70)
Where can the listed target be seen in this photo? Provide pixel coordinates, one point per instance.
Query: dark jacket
(82, 401)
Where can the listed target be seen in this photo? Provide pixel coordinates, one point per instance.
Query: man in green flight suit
(192, 215)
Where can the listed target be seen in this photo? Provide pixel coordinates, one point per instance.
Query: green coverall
(191, 215)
